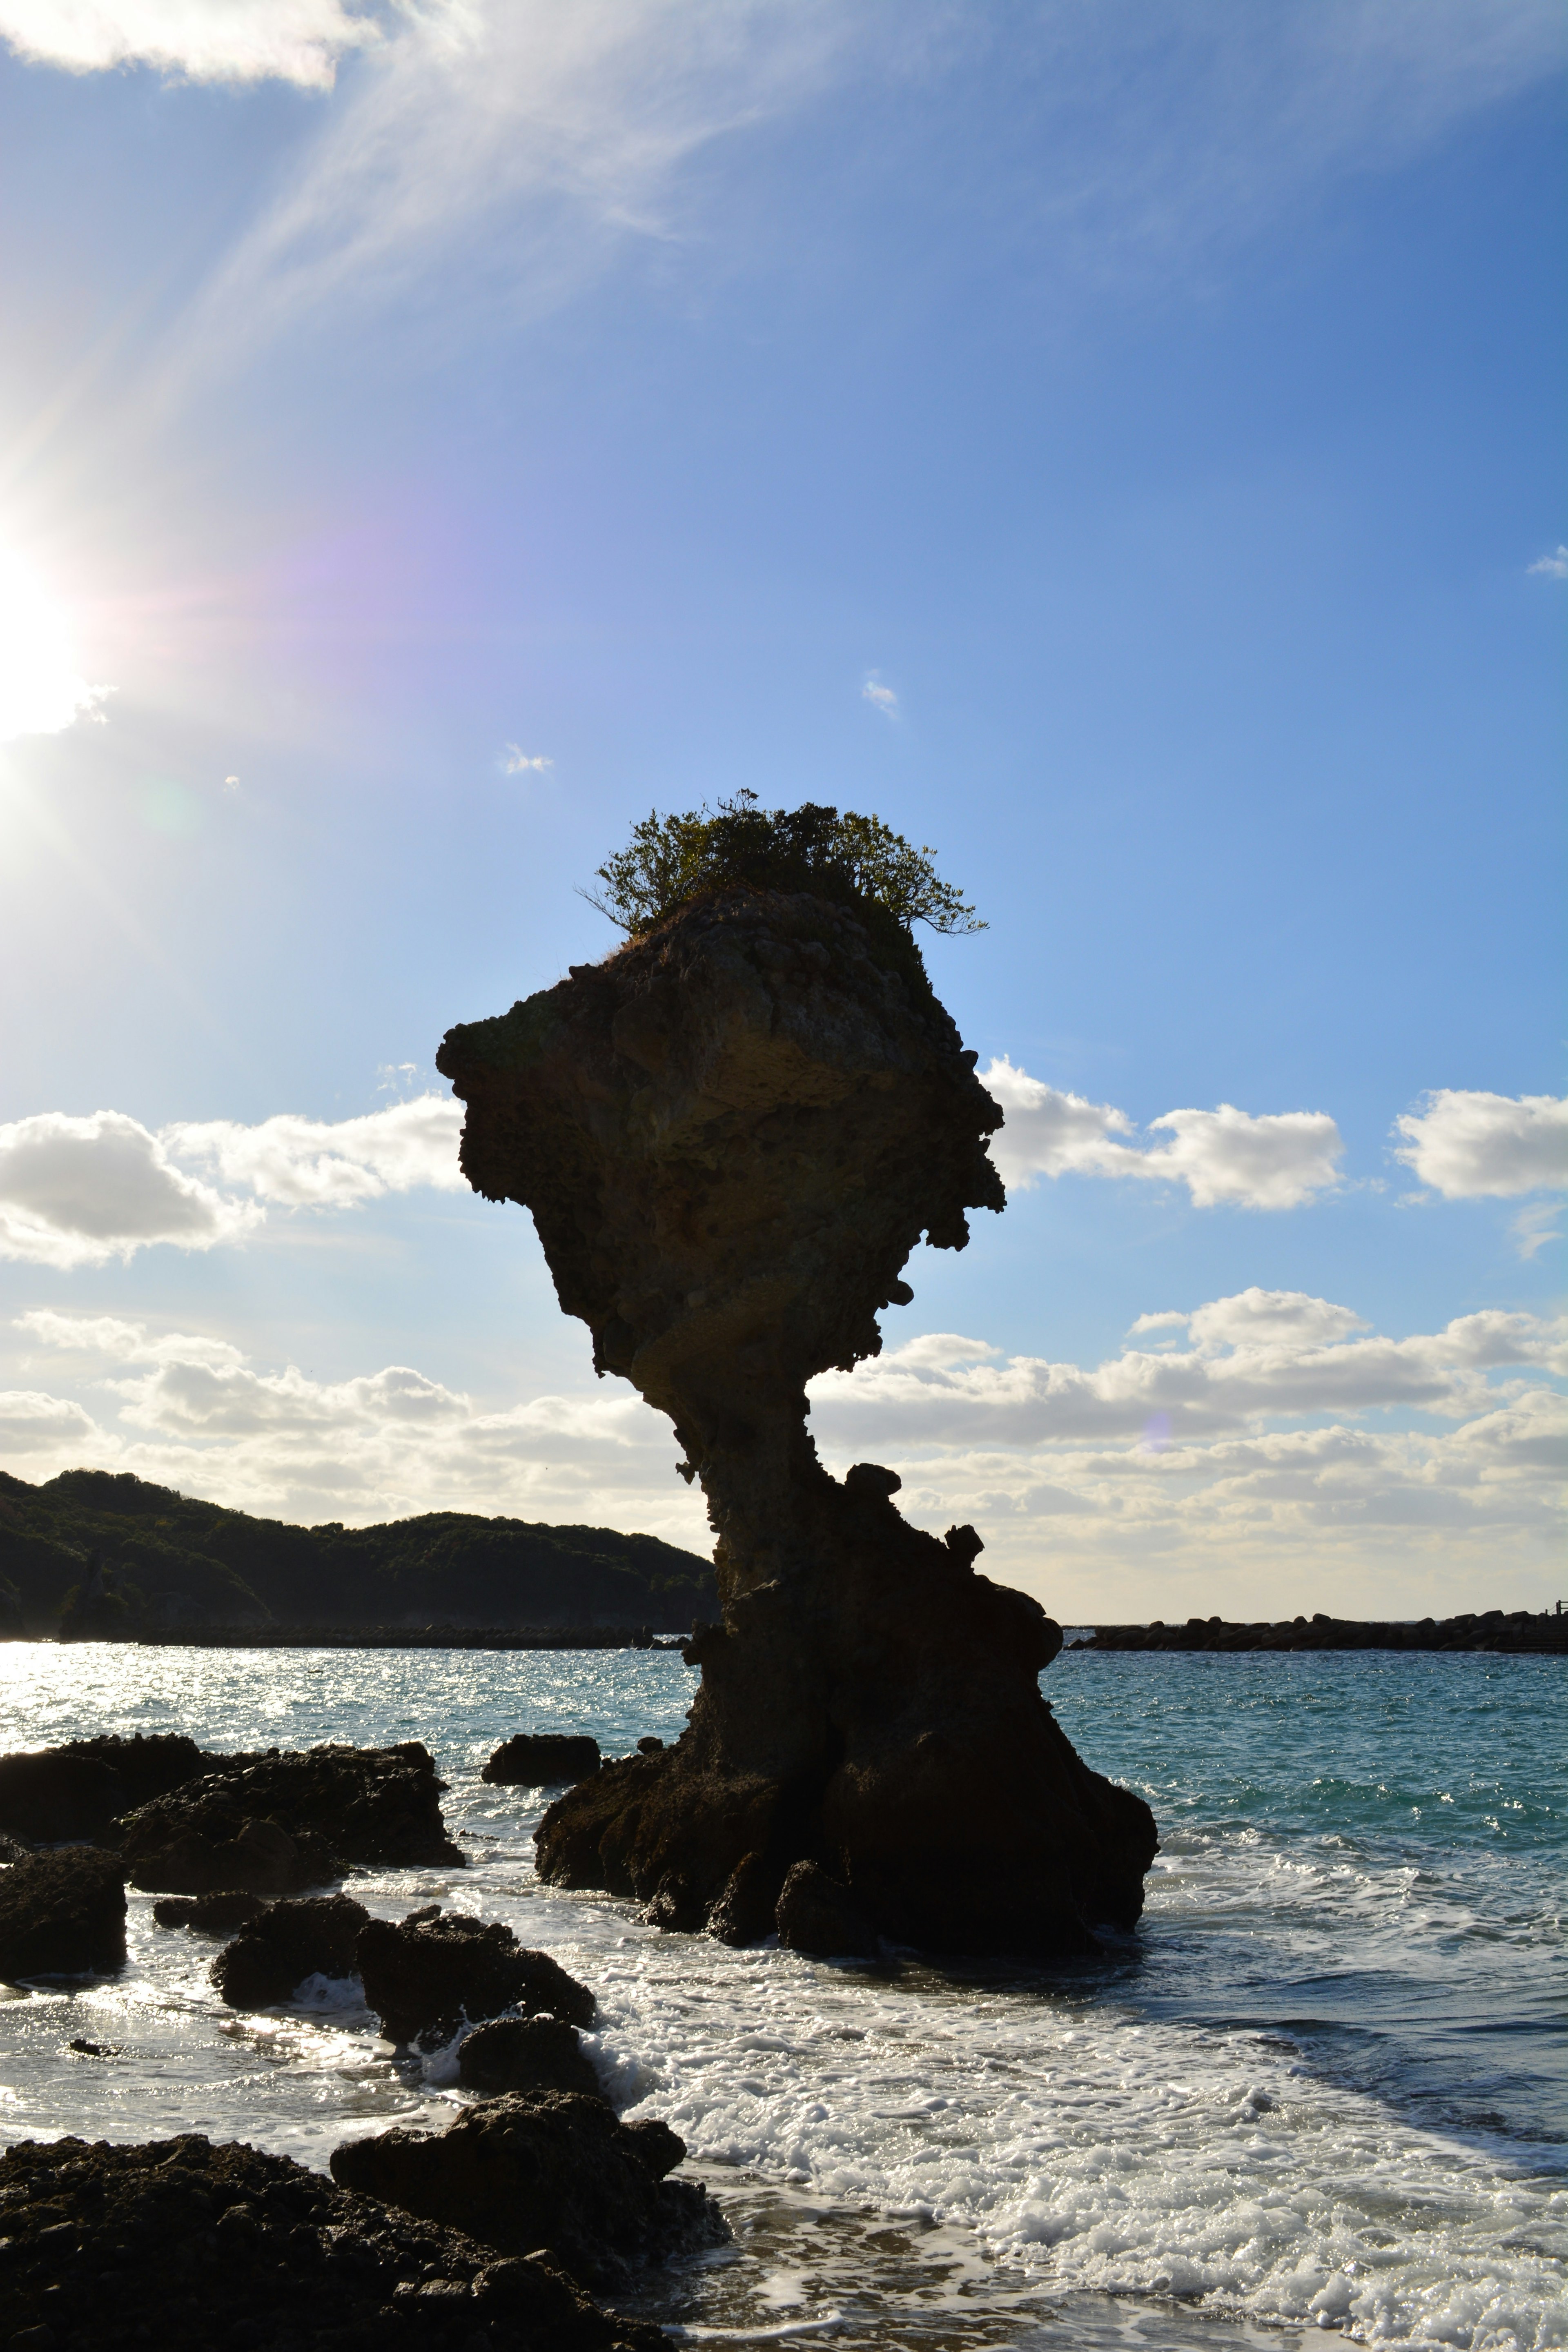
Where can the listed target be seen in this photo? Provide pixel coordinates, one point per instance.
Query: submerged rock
(62, 1915)
(76, 1792)
(188, 2245)
(731, 1133)
(526, 2054)
(555, 2171)
(544, 1759)
(275, 1824)
(424, 1974)
(284, 1943)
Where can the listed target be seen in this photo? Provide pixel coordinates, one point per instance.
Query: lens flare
(42, 690)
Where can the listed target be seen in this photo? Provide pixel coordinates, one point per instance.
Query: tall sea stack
(731, 1133)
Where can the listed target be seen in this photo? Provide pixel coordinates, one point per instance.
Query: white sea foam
(907, 2149)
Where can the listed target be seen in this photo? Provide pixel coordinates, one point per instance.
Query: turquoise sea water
(1323, 2087)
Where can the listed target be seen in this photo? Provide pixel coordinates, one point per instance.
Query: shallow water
(1321, 2088)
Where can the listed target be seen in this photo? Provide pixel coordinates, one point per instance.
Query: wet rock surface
(76, 1791)
(555, 2171)
(189, 2245)
(526, 2054)
(815, 1914)
(209, 1915)
(424, 1974)
(62, 1914)
(731, 1134)
(286, 1943)
(276, 1824)
(544, 1759)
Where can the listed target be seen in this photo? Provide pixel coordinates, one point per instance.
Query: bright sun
(41, 688)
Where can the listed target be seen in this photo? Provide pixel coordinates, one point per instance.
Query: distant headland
(98, 1556)
(1495, 1631)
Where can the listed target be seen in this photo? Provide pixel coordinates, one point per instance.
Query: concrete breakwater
(1495, 1631)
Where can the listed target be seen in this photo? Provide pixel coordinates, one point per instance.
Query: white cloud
(515, 762)
(1284, 1457)
(314, 1163)
(204, 40)
(78, 1191)
(1259, 1354)
(32, 1425)
(195, 1414)
(131, 1343)
(881, 697)
(1555, 566)
(1275, 1161)
(1470, 1145)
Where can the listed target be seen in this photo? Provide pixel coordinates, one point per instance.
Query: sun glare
(42, 689)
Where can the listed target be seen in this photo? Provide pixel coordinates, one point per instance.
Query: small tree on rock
(670, 860)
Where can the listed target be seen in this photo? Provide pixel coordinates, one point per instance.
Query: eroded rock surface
(555, 2171)
(50, 1794)
(526, 2054)
(283, 1945)
(424, 1974)
(278, 1823)
(731, 1134)
(544, 1759)
(62, 1914)
(183, 2244)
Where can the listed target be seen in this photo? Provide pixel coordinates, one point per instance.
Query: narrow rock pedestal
(731, 1134)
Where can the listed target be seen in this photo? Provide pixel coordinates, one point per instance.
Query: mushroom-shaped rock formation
(731, 1133)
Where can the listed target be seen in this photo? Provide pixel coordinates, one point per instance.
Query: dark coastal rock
(62, 1914)
(731, 1133)
(75, 1792)
(258, 1858)
(209, 1915)
(814, 1914)
(555, 2171)
(526, 2054)
(186, 2246)
(286, 1943)
(276, 1824)
(544, 1759)
(424, 1974)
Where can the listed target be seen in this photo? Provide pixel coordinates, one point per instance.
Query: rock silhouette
(186, 2245)
(731, 1133)
(62, 1914)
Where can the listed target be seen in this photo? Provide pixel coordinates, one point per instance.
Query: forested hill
(99, 1555)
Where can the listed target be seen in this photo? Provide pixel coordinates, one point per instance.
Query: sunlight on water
(1319, 2089)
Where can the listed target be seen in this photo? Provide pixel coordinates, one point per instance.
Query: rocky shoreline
(485, 2237)
(1493, 1633)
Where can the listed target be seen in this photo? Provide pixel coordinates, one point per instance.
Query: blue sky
(1121, 446)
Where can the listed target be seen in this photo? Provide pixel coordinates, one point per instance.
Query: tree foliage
(672, 859)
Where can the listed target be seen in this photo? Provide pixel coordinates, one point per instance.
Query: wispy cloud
(1277, 1160)
(881, 697)
(515, 146)
(516, 761)
(1553, 566)
(199, 40)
